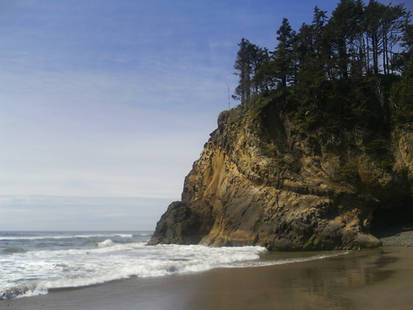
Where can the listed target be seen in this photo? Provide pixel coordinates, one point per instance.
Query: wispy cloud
(88, 134)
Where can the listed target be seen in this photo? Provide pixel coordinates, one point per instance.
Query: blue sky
(104, 105)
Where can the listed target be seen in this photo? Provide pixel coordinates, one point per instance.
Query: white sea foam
(64, 236)
(35, 272)
(105, 244)
(289, 260)
(145, 234)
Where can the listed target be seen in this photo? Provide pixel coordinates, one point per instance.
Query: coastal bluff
(266, 177)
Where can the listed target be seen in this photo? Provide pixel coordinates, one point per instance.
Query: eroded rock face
(261, 180)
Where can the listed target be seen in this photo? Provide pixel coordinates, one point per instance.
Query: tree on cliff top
(341, 67)
(249, 58)
(284, 55)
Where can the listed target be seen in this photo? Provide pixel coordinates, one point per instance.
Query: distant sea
(32, 263)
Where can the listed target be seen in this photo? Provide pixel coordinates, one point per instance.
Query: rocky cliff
(263, 179)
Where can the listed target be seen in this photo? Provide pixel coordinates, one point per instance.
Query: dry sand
(370, 279)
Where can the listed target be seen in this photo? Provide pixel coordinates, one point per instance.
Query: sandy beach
(370, 279)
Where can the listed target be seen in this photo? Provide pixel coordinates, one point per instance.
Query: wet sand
(369, 279)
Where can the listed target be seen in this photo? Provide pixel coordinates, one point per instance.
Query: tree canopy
(363, 48)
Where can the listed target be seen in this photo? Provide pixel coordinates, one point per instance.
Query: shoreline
(397, 237)
(367, 279)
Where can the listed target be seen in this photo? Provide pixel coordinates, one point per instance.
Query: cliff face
(263, 180)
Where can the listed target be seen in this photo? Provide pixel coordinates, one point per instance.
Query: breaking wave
(105, 243)
(35, 272)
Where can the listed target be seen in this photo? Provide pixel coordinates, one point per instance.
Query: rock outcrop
(264, 180)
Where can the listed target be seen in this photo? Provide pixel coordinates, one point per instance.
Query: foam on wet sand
(370, 279)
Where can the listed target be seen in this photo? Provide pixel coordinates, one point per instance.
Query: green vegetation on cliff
(353, 69)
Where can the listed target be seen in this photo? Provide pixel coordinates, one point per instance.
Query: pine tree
(346, 27)
(284, 57)
(243, 66)
(249, 59)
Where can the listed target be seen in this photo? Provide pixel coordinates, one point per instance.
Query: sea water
(32, 263)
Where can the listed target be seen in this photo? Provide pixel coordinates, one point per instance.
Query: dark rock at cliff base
(181, 224)
(265, 179)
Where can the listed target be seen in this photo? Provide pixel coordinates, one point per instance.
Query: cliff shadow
(392, 220)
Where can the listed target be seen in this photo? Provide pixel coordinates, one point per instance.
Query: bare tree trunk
(384, 55)
(367, 55)
(375, 55)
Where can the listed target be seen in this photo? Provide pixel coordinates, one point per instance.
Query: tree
(264, 69)
(249, 59)
(317, 27)
(354, 51)
(402, 91)
(284, 58)
(400, 33)
(311, 48)
(346, 27)
(243, 65)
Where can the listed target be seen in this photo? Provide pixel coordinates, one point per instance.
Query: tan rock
(261, 180)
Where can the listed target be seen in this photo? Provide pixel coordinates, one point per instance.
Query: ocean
(32, 263)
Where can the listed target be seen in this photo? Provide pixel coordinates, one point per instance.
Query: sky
(105, 105)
